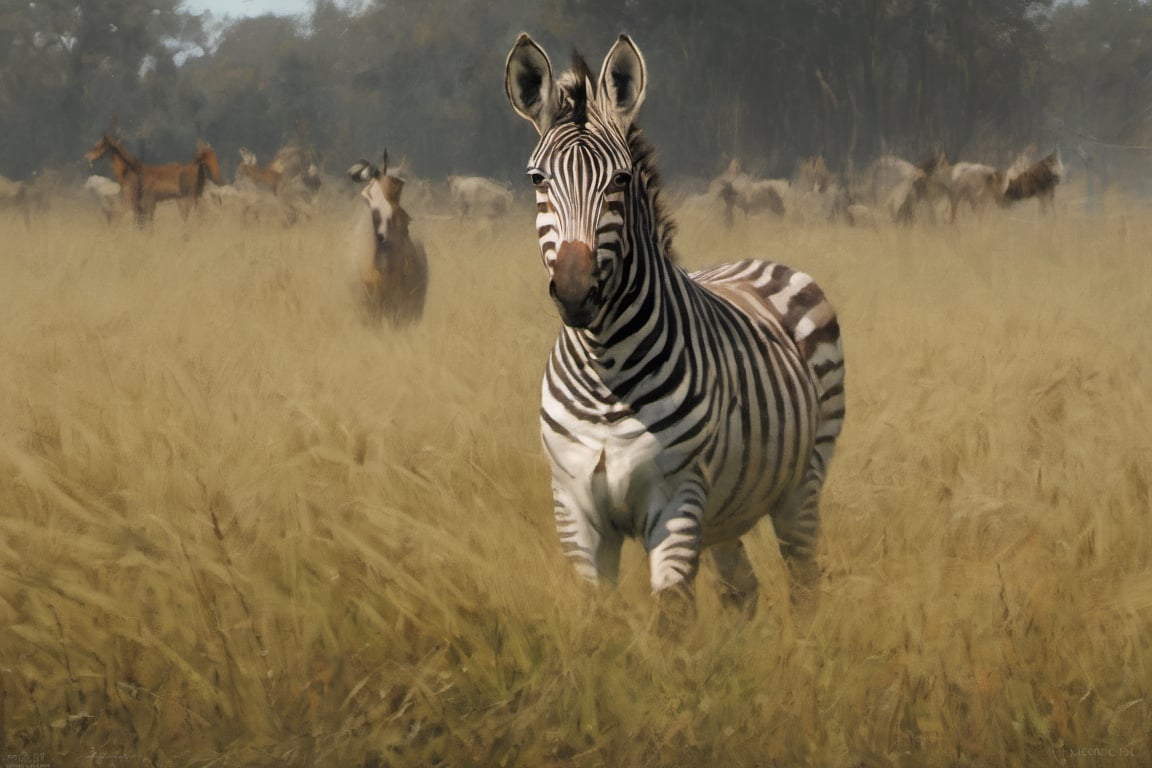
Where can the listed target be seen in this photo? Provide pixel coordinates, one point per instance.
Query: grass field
(240, 528)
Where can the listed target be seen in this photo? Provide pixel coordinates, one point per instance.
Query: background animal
(250, 171)
(737, 189)
(818, 194)
(107, 196)
(480, 197)
(389, 269)
(1038, 180)
(182, 182)
(974, 184)
(891, 185)
(281, 190)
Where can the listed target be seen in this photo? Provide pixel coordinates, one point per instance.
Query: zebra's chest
(615, 470)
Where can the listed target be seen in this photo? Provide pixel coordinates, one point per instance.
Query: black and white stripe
(678, 409)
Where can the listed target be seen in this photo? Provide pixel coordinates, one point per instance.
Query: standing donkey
(677, 408)
(391, 273)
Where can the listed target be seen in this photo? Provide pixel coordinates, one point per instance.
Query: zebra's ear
(528, 83)
(623, 79)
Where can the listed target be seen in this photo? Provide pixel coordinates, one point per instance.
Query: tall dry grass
(239, 527)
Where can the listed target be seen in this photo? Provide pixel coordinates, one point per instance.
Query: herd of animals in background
(392, 271)
(890, 188)
(285, 189)
(392, 279)
(282, 190)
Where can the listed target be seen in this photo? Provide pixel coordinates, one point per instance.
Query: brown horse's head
(99, 149)
(206, 159)
(124, 163)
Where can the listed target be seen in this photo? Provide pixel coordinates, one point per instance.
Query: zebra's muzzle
(574, 287)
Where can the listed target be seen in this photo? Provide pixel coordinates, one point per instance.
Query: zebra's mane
(575, 87)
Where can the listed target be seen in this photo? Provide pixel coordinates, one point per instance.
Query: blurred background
(765, 82)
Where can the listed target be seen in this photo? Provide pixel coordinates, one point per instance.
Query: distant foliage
(767, 82)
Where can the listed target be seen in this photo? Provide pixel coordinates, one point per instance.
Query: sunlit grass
(239, 527)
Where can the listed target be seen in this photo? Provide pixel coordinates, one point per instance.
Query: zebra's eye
(537, 178)
(620, 181)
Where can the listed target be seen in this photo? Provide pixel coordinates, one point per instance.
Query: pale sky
(237, 8)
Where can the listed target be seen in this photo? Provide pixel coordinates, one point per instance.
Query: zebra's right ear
(528, 83)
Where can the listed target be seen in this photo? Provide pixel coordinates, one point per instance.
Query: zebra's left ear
(623, 79)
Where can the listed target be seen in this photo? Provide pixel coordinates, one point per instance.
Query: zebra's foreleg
(672, 538)
(594, 550)
(738, 584)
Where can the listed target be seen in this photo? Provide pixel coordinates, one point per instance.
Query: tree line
(765, 81)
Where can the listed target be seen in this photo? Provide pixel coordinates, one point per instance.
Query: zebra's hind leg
(797, 527)
(739, 588)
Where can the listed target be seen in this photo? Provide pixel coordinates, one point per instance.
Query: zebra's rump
(783, 298)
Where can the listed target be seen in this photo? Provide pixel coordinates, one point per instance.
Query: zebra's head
(582, 167)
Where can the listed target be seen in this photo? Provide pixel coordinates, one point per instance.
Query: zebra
(676, 408)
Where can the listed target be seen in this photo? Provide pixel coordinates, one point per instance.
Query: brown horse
(391, 271)
(143, 186)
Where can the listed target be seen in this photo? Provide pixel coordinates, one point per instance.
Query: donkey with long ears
(390, 270)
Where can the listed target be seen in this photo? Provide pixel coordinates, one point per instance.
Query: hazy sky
(222, 8)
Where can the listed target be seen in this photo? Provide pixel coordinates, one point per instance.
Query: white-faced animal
(389, 269)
